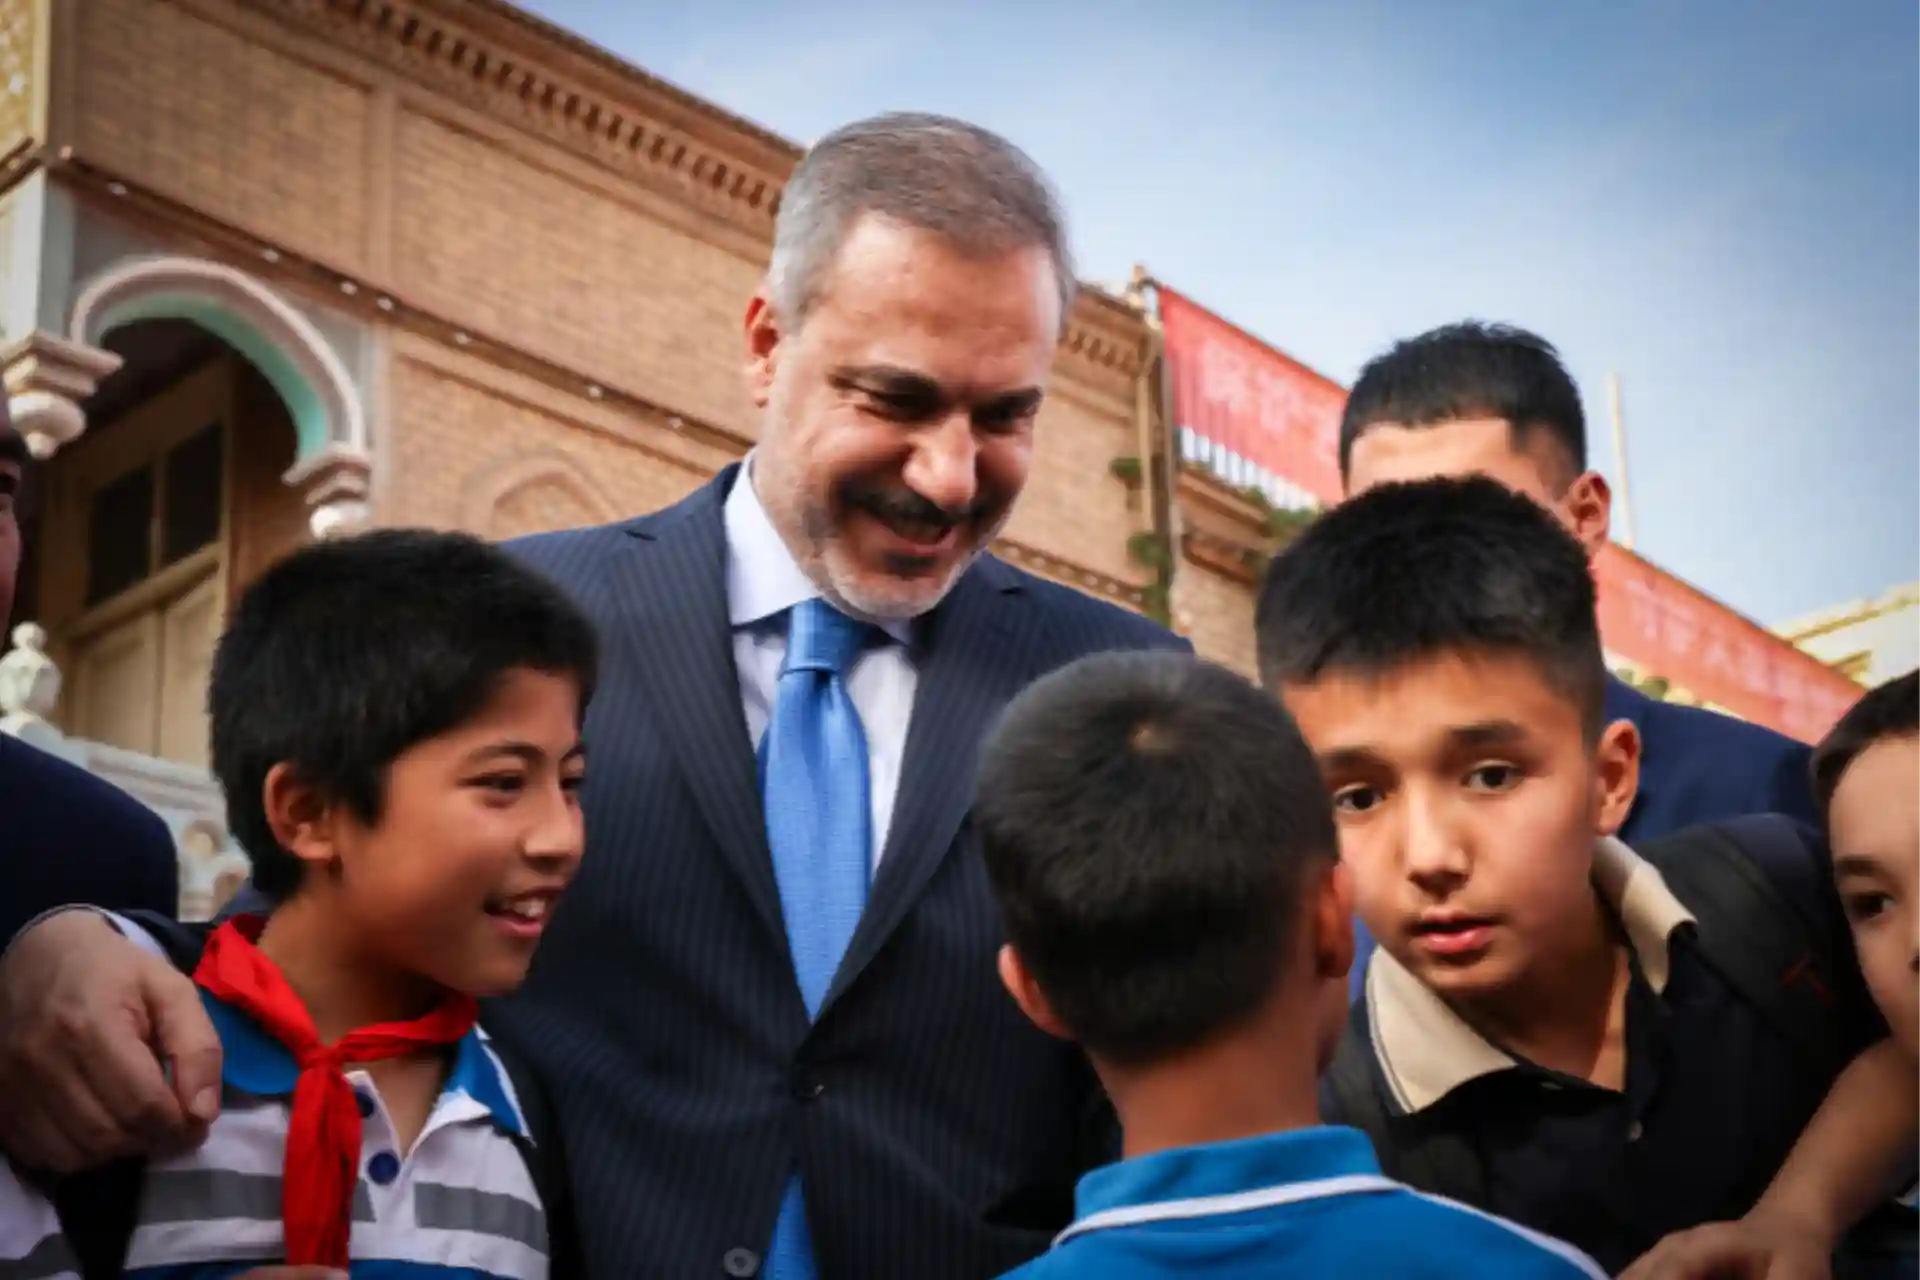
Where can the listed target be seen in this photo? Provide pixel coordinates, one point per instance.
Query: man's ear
(1027, 994)
(303, 821)
(763, 333)
(1587, 510)
(1616, 776)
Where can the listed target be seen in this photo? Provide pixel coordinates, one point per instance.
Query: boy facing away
(396, 724)
(1547, 1030)
(1161, 848)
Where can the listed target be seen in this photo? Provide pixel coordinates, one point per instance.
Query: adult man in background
(1493, 400)
(66, 835)
(769, 1009)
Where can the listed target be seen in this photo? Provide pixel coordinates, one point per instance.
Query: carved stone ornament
(47, 380)
(29, 688)
(334, 484)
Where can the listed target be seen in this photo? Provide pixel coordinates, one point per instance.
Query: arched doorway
(229, 433)
(145, 524)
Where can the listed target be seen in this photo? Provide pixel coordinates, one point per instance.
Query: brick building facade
(271, 269)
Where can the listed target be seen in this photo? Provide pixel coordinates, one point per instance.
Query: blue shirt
(1303, 1204)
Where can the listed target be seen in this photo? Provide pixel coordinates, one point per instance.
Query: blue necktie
(819, 828)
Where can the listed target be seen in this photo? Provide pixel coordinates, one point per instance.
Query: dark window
(190, 516)
(120, 535)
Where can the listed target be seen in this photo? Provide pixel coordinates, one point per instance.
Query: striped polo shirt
(1308, 1203)
(461, 1202)
(31, 1246)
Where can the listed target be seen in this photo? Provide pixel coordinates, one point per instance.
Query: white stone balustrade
(187, 799)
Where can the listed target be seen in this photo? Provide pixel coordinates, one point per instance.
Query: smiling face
(897, 425)
(1467, 800)
(478, 833)
(1875, 821)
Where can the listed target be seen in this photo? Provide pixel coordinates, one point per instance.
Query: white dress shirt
(763, 582)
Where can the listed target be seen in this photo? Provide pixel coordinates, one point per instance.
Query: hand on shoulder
(82, 1012)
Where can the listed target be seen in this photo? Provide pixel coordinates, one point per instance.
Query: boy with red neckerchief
(396, 723)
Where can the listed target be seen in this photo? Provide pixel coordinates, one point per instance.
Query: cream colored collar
(1426, 1050)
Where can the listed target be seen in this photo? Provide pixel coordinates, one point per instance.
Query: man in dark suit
(65, 835)
(1492, 400)
(768, 1011)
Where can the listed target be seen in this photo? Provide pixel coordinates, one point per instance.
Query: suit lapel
(978, 652)
(674, 627)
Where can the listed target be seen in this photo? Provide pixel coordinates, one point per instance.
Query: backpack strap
(1417, 1150)
(546, 1163)
(1741, 879)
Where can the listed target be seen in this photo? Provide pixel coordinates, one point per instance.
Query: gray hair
(957, 180)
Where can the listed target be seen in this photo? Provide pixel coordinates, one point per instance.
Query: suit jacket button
(740, 1263)
(806, 1085)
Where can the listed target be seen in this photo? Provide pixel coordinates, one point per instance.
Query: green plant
(1284, 524)
(1656, 687)
(1150, 550)
(1126, 469)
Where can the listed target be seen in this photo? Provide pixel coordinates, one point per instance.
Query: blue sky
(1719, 200)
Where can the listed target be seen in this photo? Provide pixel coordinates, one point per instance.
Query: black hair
(1891, 710)
(1404, 572)
(346, 653)
(1147, 821)
(1469, 370)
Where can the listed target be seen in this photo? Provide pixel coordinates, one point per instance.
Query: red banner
(1258, 416)
(1241, 398)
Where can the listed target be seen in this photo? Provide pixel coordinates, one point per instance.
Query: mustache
(909, 507)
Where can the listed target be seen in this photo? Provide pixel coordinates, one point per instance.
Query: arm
(1856, 1152)
(1850, 1159)
(1851, 1154)
(87, 1017)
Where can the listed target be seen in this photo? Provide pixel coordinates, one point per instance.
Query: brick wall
(462, 210)
(569, 273)
(1073, 507)
(259, 139)
(476, 448)
(1217, 613)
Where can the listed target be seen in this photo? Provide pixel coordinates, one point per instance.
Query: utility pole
(1624, 507)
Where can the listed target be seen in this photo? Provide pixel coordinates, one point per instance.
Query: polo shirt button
(1634, 1131)
(740, 1263)
(366, 1105)
(384, 1167)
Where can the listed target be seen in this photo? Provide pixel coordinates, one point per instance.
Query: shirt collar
(1226, 1168)
(1426, 1050)
(253, 1062)
(763, 579)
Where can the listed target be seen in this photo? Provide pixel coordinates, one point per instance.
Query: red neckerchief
(323, 1140)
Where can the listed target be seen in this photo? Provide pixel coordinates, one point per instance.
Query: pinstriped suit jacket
(937, 1134)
